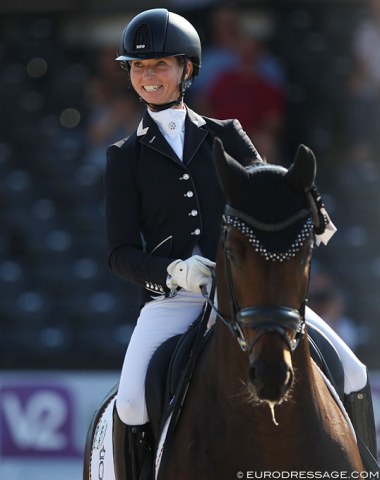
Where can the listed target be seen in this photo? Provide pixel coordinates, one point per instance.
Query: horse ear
(302, 172)
(230, 173)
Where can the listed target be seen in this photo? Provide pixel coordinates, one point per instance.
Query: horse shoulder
(335, 426)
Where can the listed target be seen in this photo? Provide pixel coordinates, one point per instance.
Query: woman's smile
(151, 88)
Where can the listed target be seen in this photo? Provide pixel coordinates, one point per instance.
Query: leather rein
(264, 319)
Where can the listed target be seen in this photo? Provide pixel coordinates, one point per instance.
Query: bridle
(264, 319)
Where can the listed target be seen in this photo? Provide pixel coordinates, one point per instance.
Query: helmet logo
(140, 46)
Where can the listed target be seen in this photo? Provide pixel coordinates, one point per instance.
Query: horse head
(271, 216)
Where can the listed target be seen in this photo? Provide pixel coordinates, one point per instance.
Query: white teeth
(151, 88)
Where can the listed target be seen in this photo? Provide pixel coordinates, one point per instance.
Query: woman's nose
(148, 71)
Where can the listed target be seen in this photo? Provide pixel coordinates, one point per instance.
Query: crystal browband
(281, 256)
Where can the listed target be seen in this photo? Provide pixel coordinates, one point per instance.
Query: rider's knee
(355, 377)
(131, 413)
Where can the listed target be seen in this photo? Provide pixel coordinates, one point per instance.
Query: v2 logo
(36, 420)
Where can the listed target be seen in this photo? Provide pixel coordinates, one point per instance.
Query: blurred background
(292, 72)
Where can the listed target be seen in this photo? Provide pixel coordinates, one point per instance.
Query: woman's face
(156, 80)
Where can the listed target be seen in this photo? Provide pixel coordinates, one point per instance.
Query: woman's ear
(189, 69)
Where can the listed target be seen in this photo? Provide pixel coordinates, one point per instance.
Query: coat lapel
(149, 134)
(194, 135)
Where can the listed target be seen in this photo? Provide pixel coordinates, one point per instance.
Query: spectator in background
(111, 117)
(244, 92)
(113, 108)
(220, 55)
(105, 70)
(364, 90)
(328, 301)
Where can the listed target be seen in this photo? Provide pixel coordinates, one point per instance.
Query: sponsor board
(36, 420)
(44, 415)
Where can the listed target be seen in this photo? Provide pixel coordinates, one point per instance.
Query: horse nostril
(289, 378)
(252, 374)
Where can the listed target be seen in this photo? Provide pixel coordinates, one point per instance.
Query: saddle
(171, 367)
(170, 370)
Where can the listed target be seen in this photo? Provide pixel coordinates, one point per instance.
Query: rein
(264, 319)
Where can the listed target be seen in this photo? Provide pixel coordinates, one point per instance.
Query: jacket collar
(147, 122)
(150, 135)
(195, 118)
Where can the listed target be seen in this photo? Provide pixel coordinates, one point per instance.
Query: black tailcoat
(158, 208)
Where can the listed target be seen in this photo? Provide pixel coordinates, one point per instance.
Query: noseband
(264, 319)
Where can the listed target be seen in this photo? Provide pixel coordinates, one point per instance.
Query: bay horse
(258, 402)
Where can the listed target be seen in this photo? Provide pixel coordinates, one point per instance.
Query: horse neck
(308, 396)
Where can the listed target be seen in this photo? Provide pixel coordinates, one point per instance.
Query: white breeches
(158, 321)
(162, 319)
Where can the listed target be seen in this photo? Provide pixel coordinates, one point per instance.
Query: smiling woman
(157, 80)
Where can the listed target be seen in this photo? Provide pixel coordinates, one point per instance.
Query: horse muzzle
(269, 382)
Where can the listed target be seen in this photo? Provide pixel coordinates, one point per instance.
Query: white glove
(190, 274)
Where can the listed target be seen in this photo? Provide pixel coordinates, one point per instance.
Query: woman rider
(163, 213)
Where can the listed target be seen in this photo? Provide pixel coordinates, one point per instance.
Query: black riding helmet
(158, 33)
